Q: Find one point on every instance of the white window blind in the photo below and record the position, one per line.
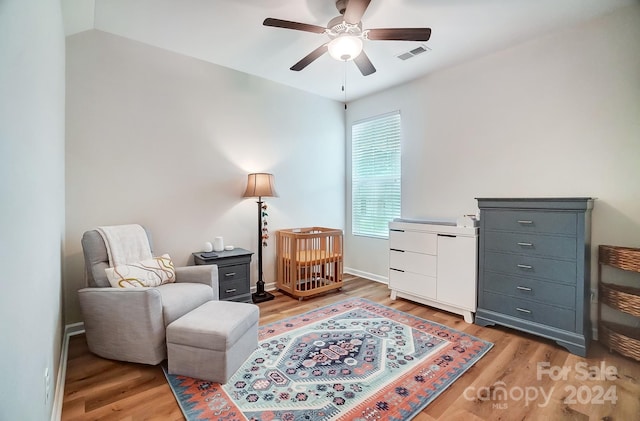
(375, 175)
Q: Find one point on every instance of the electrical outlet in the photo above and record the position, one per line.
(47, 386)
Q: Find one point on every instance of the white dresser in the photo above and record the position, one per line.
(434, 264)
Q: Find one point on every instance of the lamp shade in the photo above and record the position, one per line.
(260, 184)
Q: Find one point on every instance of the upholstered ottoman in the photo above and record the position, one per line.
(212, 341)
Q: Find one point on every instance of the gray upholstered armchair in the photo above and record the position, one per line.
(128, 324)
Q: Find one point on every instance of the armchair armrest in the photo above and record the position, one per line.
(202, 274)
(124, 323)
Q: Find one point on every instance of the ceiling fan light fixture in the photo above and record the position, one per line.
(345, 47)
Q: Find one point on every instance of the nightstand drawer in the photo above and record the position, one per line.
(232, 273)
(535, 267)
(531, 244)
(531, 221)
(531, 289)
(230, 289)
(530, 311)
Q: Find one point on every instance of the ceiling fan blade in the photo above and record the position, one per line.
(400, 34)
(287, 24)
(355, 10)
(364, 64)
(310, 58)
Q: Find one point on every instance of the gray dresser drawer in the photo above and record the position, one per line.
(530, 311)
(531, 289)
(230, 289)
(527, 266)
(231, 273)
(531, 221)
(531, 244)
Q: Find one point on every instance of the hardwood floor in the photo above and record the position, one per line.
(99, 389)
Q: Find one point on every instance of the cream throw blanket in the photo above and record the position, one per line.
(125, 244)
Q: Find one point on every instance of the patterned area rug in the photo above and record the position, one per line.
(354, 360)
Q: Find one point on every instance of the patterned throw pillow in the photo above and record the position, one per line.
(148, 273)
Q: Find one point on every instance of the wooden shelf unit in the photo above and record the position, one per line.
(626, 299)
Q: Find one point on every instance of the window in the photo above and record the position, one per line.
(375, 175)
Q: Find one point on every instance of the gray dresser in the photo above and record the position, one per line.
(534, 267)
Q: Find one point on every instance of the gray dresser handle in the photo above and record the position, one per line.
(521, 288)
(526, 244)
(523, 310)
(525, 266)
(525, 222)
(230, 274)
(229, 291)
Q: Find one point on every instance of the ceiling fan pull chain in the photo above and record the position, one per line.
(344, 84)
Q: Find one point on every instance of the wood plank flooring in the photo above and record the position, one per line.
(495, 388)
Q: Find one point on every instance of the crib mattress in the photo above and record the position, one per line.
(310, 256)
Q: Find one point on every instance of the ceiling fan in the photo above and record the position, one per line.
(346, 35)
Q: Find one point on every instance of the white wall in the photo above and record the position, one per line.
(557, 116)
(31, 204)
(167, 141)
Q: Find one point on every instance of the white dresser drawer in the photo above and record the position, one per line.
(423, 264)
(413, 283)
(415, 241)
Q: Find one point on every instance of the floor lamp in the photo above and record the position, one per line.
(260, 185)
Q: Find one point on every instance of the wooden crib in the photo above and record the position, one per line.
(309, 260)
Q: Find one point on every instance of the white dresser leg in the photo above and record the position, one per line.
(468, 317)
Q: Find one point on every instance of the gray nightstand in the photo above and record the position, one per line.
(233, 273)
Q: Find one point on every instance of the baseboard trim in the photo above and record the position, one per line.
(58, 399)
(367, 275)
(268, 286)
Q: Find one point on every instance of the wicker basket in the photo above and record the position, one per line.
(620, 297)
(624, 339)
(626, 258)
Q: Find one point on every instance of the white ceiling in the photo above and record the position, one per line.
(230, 33)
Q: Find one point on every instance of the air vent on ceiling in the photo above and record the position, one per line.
(414, 52)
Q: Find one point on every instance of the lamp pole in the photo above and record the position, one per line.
(260, 295)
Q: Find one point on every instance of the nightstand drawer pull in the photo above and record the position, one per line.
(525, 222)
(229, 291)
(230, 274)
(523, 310)
(525, 244)
(521, 288)
(525, 266)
